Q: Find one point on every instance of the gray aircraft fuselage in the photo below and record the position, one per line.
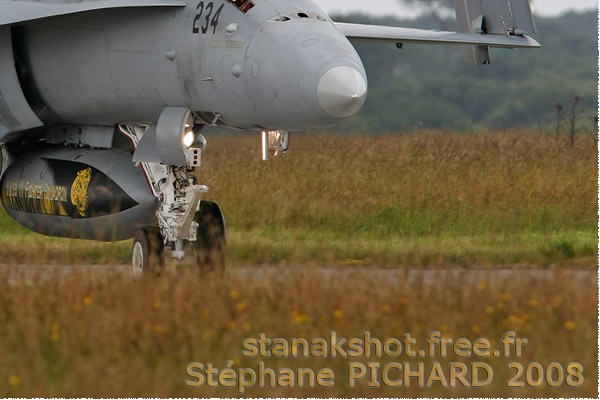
(284, 65)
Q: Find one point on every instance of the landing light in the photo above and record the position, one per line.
(188, 139)
(170, 141)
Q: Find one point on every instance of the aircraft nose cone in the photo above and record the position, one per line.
(342, 91)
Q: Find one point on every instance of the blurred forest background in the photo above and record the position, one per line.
(554, 89)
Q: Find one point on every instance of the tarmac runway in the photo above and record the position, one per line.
(12, 273)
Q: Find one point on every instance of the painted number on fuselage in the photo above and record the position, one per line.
(205, 18)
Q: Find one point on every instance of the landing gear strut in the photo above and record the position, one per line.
(188, 232)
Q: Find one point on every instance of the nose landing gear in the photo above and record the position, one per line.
(188, 231)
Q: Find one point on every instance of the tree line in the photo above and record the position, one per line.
(429, 87)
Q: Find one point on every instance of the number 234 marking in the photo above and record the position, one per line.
(205, 19)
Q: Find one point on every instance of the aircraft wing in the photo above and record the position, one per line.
(375, 33)
(18, 11)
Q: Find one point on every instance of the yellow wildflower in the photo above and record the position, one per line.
(338, 314)
(533, 303)
(513, 320)
(14, 380)
(55, 332)
(570, 325)
(299, 318)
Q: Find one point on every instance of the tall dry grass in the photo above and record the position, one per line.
(427, 199)
(445, 173)
(432, 200)
(93, 332)
(422, 199)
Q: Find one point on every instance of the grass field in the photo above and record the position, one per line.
(95, 333)
(422, 200)
(372, 209)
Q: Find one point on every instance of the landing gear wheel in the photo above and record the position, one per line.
(211, 240)
(148, 252)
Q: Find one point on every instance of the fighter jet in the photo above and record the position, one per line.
(102, 104)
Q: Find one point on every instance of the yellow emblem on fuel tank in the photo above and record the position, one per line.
(79, 190)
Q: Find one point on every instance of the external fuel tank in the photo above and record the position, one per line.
(96, 194)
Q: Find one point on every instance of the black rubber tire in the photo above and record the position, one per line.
(148, 255)
(211, 241)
